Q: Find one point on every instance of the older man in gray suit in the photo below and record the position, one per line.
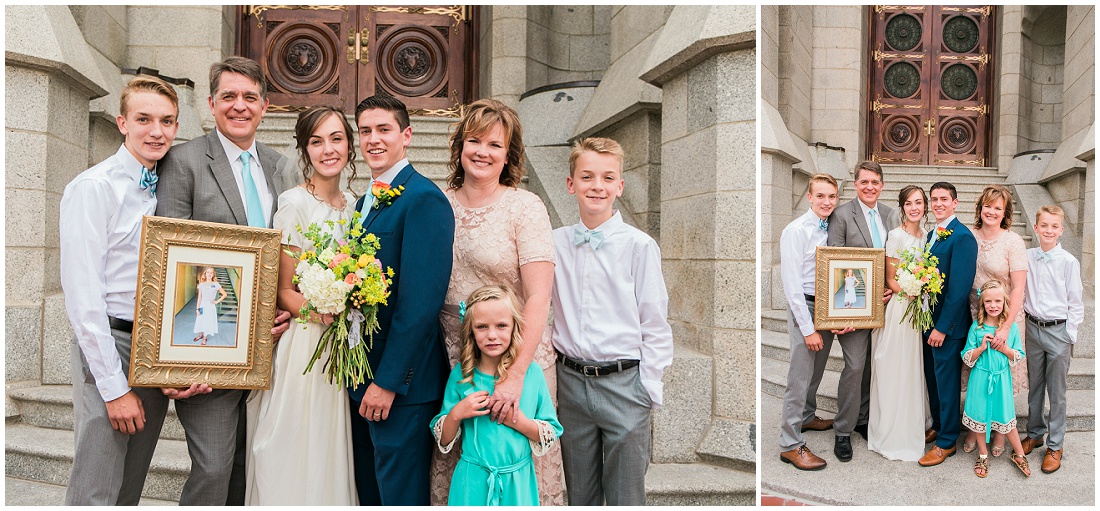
(861, 223)
(225, 177)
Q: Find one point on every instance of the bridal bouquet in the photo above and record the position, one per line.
(921, 282)
(341, 276)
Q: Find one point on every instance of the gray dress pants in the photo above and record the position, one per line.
(1048, 350)
(803, 378)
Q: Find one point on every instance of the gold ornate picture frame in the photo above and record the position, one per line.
(848, 287)
(205, 305)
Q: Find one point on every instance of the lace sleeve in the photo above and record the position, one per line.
(1016, 357)
(547, 439)
(968, 358)
(437, 432)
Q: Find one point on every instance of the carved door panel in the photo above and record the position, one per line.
(338, 55)
(930, 82)
(417, 54)
(304, 52)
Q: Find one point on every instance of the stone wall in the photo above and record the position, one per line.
(566, 43)
(839, 103)
(503, 45)
(1079, 112)
(1042, 63)
(796, 29)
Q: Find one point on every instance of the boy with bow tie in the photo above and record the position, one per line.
(100, 235)
(611, 333)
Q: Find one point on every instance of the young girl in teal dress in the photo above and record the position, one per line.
(495, 467)
(989, 405)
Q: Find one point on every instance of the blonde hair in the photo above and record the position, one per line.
(988, 197)
(146, 83)
(596, 145)
(1051, 210)
(982, 314)
(477, 119)
(821, 178)
(470, 353)
(202, 274)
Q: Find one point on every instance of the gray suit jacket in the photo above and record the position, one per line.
(196, 182)
(848, 227)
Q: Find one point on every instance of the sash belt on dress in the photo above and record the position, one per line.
(496, 483)
(991, 382)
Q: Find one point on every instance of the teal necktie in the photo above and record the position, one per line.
(251, 194)
(876, 240)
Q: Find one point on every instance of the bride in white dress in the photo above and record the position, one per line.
(299, 431)
(899, 400)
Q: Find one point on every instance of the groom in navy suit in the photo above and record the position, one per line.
(390, 414)
(957, 251)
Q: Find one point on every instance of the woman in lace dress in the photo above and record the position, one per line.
(1002, 256)
(502, 236)
(299, 430)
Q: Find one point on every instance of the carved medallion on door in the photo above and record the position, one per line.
(930, 85)
(339, 55)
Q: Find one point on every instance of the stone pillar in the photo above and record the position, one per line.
(503, 43)
(839, 100)
(50, 80)
(1009, 83)
(705, 62)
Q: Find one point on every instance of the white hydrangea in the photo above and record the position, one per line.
(320, 287)
(910, 285)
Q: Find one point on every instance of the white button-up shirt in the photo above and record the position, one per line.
(798, 265)
(233, 153)
(100, 231)
(1054, 288)
(877, 224)
(611, 303)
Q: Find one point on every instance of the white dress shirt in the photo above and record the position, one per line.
(611, 303)
(1054, 288)
(100, 231)
(877, 224)
(798, 265)
(935, 231)
(233, 153)
(386, 177)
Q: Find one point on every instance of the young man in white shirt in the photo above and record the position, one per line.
(100, 236)
(1054, 311)
(611, 333)
(809, 347)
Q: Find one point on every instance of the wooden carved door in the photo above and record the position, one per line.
(930, 85)
(338, 55)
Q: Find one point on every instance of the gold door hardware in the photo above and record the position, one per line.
(930, 127)
(359, 46)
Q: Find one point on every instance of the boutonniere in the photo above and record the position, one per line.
(942, 234)
(384, 194)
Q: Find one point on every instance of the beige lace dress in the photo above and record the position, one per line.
(997, 259)
(491, 243)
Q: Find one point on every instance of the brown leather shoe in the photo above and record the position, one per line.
(1031, 443)
(936, 456)
(929, 436)
(1052, 461)
(802, 459)
(818, 424)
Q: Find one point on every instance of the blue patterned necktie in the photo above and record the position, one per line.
(876, 240)
(149, 181)
(582, 236)
(823, 225)
(252, 206)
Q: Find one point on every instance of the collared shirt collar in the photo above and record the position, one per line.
(811, 218)
(867, 208)
(389, 175)
(947, 221)
(232, 152)
(130, 164)
(609, 226)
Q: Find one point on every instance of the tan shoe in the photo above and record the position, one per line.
(936, 456)
(1031, 443)
(802, 459)
(818, 424)
(1052, 461)
(929, 436)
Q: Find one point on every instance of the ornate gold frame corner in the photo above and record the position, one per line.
(159, 237)
(876, 279)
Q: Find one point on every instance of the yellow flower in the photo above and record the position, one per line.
(364, 260)
(389, 271)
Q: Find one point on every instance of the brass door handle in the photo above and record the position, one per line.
(353, 46)
(930, 127)
(364, 46)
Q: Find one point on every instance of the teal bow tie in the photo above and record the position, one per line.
(582, 236)
(148, 181)
(1043, 257)
(823, 225)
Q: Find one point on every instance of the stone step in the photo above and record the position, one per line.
(1080, 404)
(872, 480)
(51, 406)
(24, 492)
(46, 455)
(698, 484)
(777, 346)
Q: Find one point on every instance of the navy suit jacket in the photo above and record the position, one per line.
(958, 255)
(417, 235)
